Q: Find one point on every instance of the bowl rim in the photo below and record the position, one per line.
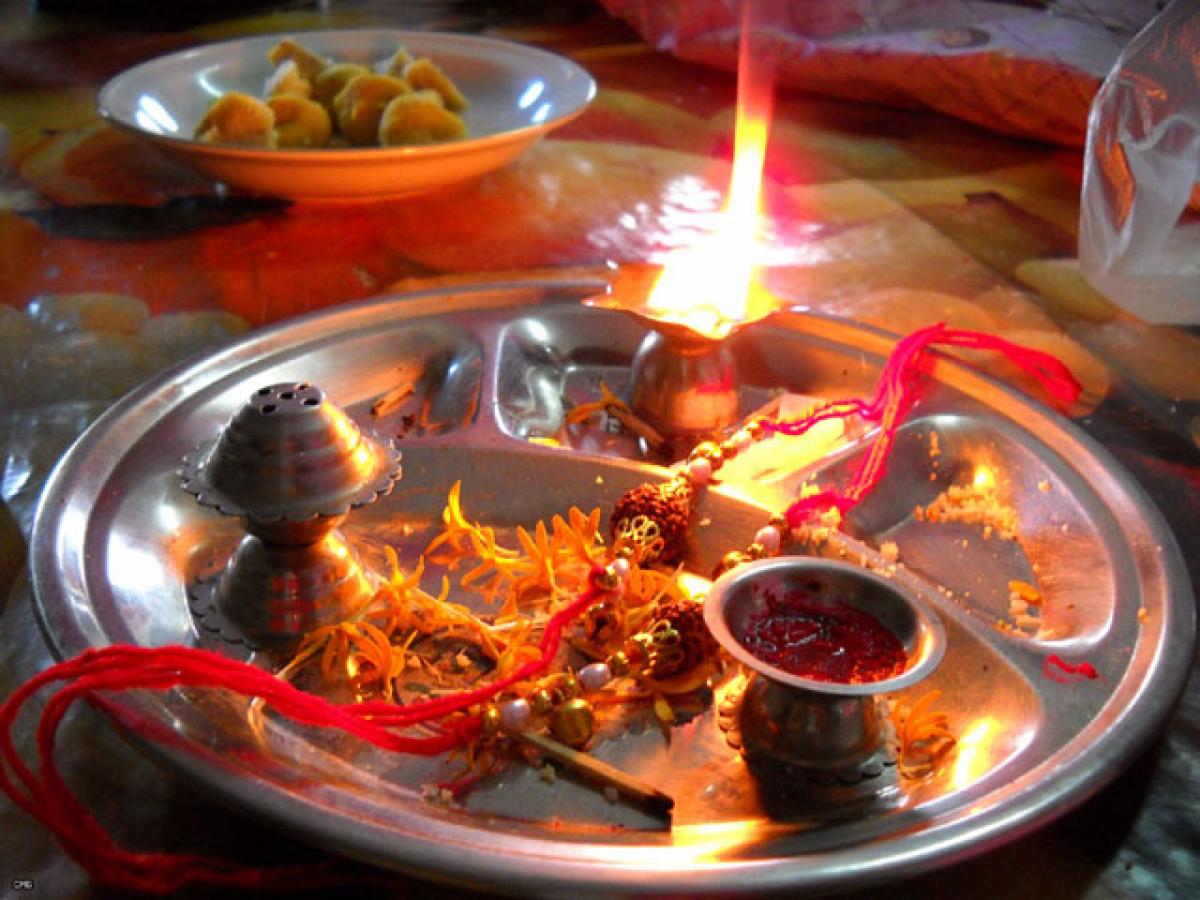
(931, 640)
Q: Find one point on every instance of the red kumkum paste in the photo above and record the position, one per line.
(822, 642)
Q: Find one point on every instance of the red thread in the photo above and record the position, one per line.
(895, 394)
(1068, 673)
(47, 798)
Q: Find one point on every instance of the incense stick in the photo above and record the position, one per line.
(647, 795)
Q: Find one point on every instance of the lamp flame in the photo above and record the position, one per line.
(710, 287)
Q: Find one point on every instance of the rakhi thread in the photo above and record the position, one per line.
(895, 394)
(47, 798)
(121, 668)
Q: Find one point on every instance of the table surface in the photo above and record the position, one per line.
(935, 220)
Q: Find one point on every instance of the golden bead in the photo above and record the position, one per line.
(607, 579)
(756, 428)
(710, 451)
(756, 551)
(542, 701)
(572, 723)
(780, 521)
(491, 720)
(562, 686)
(639, 647)
(730, 560)
(618, 664)
(601, 623)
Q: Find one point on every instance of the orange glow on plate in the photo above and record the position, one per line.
(707, 842)
(362, 458)
(694, 587)
(971, 754)
(985, 477)
(710, 287)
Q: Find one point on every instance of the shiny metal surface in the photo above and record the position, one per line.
(290, 464)
(272, 594)
(825, 725)
(684, 385)
(287, 456)
(115, 542)
(740, 593)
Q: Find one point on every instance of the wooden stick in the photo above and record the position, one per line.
(601, 772)
(391, 400)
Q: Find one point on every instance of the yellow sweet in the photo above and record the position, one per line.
(237, 118)
(329, 83)
(311, 101)
(308, 63)
(396, 65)
(419, 118)
(359, 106)
(288, 80)
(300, 122)
(423, 74)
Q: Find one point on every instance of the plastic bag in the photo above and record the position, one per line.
(1139, 228)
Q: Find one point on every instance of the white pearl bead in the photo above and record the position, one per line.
(699, 470)
(769, 537)
(515, 714)
(621, 567)
(594, 676)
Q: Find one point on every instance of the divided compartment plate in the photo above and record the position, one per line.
(116, 543)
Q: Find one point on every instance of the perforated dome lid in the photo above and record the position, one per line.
(290, 453)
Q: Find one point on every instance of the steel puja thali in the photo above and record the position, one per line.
(492, 371)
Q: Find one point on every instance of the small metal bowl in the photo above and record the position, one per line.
(804, 721)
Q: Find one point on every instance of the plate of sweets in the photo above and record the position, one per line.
(345, 115)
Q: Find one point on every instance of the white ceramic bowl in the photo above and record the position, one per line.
(517, 93)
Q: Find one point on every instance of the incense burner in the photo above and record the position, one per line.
(290, 465)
